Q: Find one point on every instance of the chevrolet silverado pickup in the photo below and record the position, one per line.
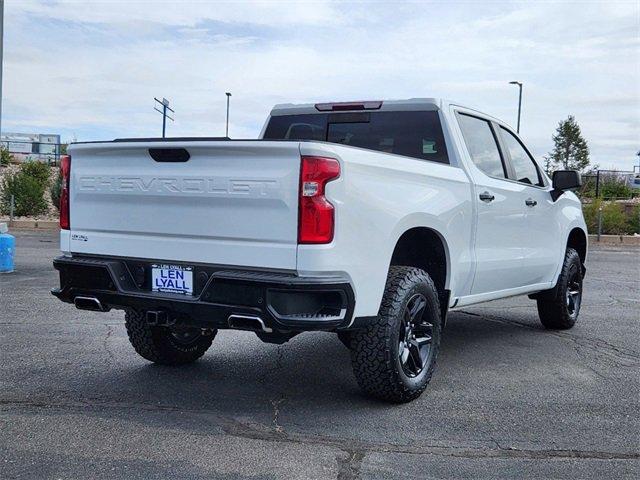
(367, 219)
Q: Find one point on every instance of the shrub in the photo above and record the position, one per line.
(614, 220)
(28, 193)
(634, 221)
(37, 170)
(590, 212)
(5, 157)
(614, 187)
(588, 188)
(55, 190)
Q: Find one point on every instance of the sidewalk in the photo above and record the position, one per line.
(615, 239)
(31, 224)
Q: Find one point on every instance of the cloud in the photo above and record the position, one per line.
(182, 13)
(92, 68)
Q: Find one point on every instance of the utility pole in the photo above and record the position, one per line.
(1, 59)
(519, 101)
(165, 106)
(228, 94)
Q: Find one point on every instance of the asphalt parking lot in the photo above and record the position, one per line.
(508, 399)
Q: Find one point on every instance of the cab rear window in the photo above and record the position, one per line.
(412, 134)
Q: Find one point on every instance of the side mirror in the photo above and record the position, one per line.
(565, 180)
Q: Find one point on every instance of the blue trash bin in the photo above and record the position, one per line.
(7, 249)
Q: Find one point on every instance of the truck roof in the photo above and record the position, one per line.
(415, 104)
(395, 105)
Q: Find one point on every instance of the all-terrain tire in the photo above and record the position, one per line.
(555, 307)
(375, 350)
(161, 344)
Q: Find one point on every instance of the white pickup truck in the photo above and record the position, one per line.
(368, 219)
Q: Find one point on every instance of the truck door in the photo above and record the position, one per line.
(501, 216)
(542, 243)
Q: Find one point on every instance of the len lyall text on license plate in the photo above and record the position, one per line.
(172, 279)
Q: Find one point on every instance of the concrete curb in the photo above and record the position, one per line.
(31, 224)
(54, 225)
(615, 239)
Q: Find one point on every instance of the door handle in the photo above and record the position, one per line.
(487, 197)
(530, 202)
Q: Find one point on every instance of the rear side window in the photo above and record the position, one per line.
(482, 146)
(412, 134)
(524, 166)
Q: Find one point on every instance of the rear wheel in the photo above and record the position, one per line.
(393, 359)
(559, 307)
(166, 345)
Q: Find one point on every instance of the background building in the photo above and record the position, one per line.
(32, 146)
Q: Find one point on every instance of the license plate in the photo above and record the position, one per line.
(172, 279)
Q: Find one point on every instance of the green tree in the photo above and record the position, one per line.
(570, 151)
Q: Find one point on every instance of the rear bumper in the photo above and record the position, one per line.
(283, 302)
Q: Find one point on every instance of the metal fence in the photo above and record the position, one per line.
(23, 150)
(611, 185)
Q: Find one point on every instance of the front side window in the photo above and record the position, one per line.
(523, 164)
(482, 145)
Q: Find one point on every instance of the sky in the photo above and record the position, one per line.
(89, 70)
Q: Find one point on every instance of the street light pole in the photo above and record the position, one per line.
(228, 94)
(1, 62)
(519, 102)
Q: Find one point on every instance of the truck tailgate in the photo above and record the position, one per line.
(231, 203)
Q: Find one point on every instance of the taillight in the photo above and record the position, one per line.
(65, 170)
(316, 219)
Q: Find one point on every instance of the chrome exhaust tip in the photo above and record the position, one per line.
(89, 303)
(247, 322)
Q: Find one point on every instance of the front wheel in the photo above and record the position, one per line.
(393, 358)
(559, 307)
(166, 345)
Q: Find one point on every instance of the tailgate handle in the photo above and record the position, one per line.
(169, 154)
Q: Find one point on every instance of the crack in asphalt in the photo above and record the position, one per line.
(276, 411)
(279, 357)
(105, 342)
(258, 432)
(625, 302)
(587, 364)
(354, 447)
(617, 354)
(349, 467)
